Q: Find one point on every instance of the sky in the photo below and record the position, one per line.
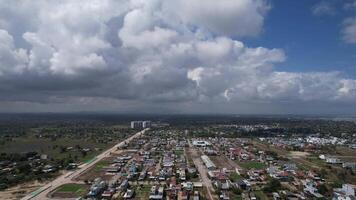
(182, 56)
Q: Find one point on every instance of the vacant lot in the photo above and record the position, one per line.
(98, 170)
(19, 191)
(70, 190)
(298, 154)
(143, 192)
(222, 162)
(59, 148)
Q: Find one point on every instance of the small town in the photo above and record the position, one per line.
(164, 162)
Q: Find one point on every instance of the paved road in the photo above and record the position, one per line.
(43, 192)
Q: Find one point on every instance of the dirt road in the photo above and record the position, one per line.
(202, 171)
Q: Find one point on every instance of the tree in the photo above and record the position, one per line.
(273, 185)
(236, 190)
(322, 189)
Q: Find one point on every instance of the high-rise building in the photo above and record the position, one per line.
(140, 124)
(136, 124)
(146, 124)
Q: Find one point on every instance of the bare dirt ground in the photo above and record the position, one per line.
(299, 157)
(222, 162)
(21, 190)
(298, 154)
(202, 171)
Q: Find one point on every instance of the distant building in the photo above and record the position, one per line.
(201, 143)
(140, 124)
(146, 124)
(351, 165)
(136, 124)
(333, 160)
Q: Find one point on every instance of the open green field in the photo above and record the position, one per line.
(235, 177)
(101, 164)
(260, 195)
(142, 192)
(71, 190)
(179, 152)
(234, 196)
(252, 165)
(53, 148)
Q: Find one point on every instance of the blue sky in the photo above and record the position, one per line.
(311, 42)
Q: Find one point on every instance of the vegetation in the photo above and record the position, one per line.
(75, 189)
(36, 147)
(272, 186)
(235, 177)
(252, 165)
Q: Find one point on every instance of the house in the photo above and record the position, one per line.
(196, 195)
(310, 188)
(129, 194)
(113, 170)
(97, 187)
(201, 143)
(49, 168)
(224, 196)
(333, 160)
(156, 193)
(244, 184)
(290, 167)
(168, 161)
(182, 175)
(276, 196)
(351, 165)
(347, 192)
(107, 194)
(142, 175)
(211, 152)
(123, 186)
(218, 175)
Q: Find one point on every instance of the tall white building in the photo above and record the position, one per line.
(146, 124)
(140, 124)
(136, 124)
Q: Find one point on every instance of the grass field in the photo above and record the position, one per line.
(52, 148)
(179, 152)
(142, 192)
(261, 195)
(71, 190)
(235, 177)
(101, 164)
(252, 165)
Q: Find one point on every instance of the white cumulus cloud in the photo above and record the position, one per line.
(149, 52)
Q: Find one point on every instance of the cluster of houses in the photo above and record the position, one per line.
(160, 163)
(336, 160)
(154, 162)
(308, 143)
(297, 183)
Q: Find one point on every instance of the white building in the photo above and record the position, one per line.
(347, 192)
(146, 124)
(333, 160)
(140, 124)
(351, 165)
(136, 124)
(201, 143)
(208, 163)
